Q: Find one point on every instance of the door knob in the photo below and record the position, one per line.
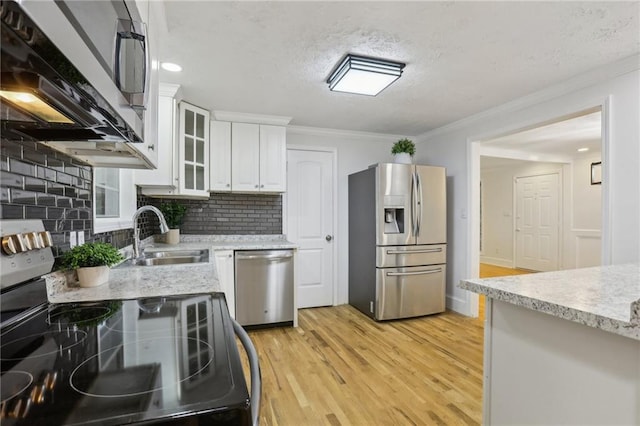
(328, 238)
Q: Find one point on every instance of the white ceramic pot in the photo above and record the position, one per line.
(172, 237)
(402, 158)
(93, 276)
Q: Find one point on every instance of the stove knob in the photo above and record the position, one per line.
(34, 240)
(25, 242)
(9, 245)
(45, 237)
(12, 244)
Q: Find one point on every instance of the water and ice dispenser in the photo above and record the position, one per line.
(394, 220)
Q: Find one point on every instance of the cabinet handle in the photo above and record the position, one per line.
(151, 147)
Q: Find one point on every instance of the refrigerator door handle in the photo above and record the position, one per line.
(419, 201)
(401, 274)
(414, 207)
(433, 250)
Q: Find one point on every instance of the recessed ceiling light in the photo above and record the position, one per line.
(583, 149)
(171, 67)
(364, 76)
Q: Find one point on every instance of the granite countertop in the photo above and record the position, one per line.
(606, 297)
(128, 282)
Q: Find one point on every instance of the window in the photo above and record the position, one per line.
(114, 199)
(107, 183)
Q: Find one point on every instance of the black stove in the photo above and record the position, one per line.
(169, 360)
(166, 360)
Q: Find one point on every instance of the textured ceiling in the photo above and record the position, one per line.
(462, 57)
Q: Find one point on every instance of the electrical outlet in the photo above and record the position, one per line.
(73, 240)
(80, 238)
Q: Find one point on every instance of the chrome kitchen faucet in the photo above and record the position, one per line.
(136, 232)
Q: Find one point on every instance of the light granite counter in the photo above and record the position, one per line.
(128, 282)
(607, 297)
(562, 347)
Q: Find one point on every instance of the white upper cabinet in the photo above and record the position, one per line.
(245, 157)
(183, 149)
(193, 150)
(273, 158)
(220, 163)
(257, 157)
(248, 157)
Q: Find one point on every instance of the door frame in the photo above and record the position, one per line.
(334, 209)
(560, 247)
(473, 193)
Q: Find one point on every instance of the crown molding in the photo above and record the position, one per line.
(589, 78)
(169, 89)
(242, 117)
(321, 131)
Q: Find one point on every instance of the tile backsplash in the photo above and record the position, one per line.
(229, 214)
(38, 182)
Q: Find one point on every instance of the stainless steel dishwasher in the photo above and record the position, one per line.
(264, 287)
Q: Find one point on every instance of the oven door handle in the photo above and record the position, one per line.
(254, 366)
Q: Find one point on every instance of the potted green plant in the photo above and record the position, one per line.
(403, 151)
(173, 213)
(92, 262)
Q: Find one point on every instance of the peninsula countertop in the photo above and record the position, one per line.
(127, 281)
(605, 297)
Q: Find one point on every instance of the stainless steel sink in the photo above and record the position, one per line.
(171, 257)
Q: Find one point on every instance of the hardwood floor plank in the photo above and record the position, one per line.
(339, 367)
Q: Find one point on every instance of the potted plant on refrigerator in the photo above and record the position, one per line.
(173, 213)
(403, 151)
(91, 262)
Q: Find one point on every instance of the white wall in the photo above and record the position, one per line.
(584, 227)
(617, 89)
(356, 151)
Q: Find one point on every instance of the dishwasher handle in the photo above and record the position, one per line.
(254, 366)
(264, 255)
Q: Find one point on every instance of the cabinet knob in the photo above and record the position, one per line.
(261, 186)
(151, 147)
(256, 186)
(228, 185)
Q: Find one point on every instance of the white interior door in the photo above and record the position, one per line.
(537, 222)
(310, 205)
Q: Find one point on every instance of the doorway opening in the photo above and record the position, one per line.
(537, 208)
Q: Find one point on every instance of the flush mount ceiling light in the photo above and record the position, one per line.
(168, 66)
(583, 149)
(364, 76)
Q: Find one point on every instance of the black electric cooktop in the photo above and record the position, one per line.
(162, 360)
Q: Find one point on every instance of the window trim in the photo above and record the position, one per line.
(128, 205)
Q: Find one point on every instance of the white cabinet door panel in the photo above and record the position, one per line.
(220, 163)
(245, 157)
(273, 158)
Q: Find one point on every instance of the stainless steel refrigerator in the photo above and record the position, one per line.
(397, 240)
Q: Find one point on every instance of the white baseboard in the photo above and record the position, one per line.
(497, 261)
(460, 306)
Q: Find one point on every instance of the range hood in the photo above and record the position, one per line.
(44, 97)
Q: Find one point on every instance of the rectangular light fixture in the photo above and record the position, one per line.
(364, 76)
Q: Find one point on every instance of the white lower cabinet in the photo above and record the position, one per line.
(227, 278)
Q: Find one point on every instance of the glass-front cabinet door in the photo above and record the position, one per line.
(194, 150)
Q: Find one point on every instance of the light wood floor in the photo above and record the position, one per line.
(340, 367)
(489, 271)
